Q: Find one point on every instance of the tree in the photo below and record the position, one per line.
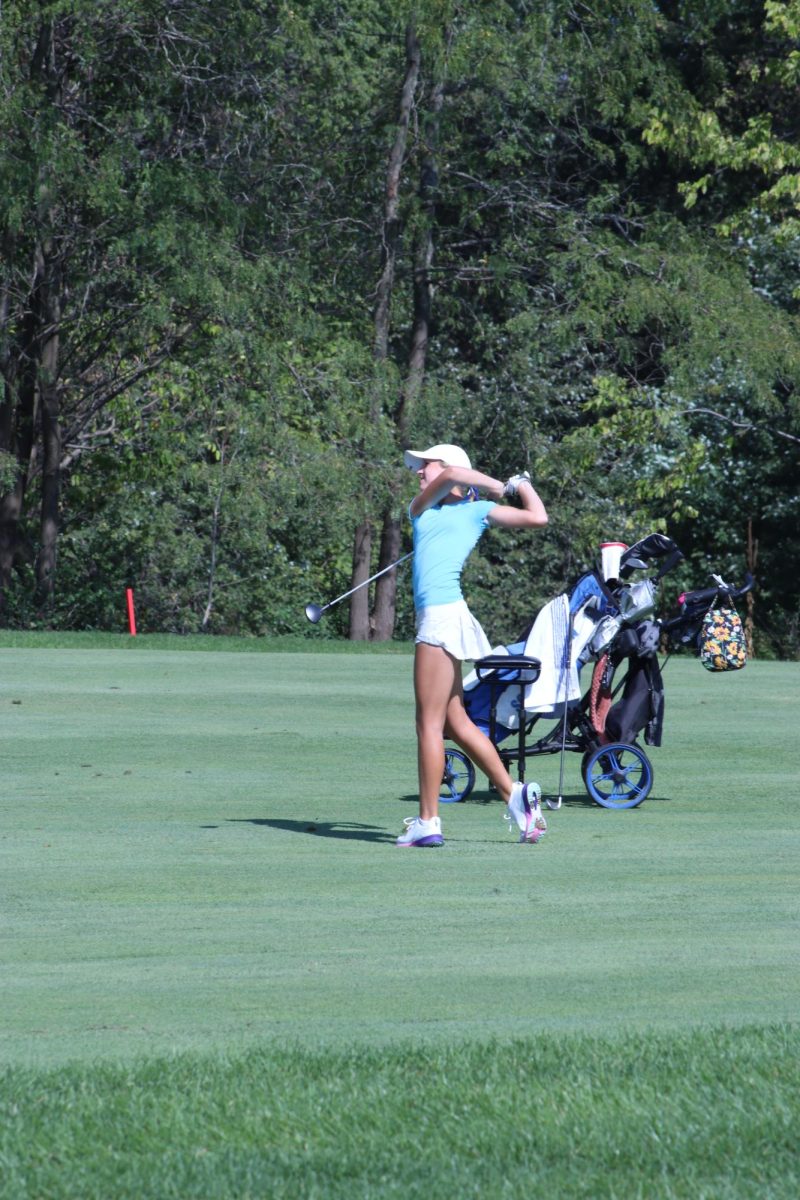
(390, 237)
(120, 222)
(240, 318)
(743, 138)
(423, 222)
(734, 151)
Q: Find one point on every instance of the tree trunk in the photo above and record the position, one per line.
(752, 562)
(386, 586)
(212, 563)
(10, 510)
(18, 418)
(49, 398)
(362, 546)
(359, 601)
(391, 225)
(51, 490)
(423, 260)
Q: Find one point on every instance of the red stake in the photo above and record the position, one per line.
(131, 614)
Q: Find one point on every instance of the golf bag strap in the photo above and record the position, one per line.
(600, 693)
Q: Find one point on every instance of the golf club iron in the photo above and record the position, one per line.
(315, 611)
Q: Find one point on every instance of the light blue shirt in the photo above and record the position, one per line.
(444, 536)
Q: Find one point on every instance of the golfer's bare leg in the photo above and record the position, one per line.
(435, 672)
(475, 743)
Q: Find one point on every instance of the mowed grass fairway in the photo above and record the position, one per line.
(221, 978)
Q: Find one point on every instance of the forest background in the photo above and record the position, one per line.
(252, 250)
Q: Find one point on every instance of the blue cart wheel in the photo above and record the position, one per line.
(459, 776)
(618, 775)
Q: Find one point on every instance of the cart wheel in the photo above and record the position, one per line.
(459, 776)
(617, 775)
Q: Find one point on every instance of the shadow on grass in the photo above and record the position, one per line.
(583, 800)
(485, 796)
(349, 830)
(476, 796)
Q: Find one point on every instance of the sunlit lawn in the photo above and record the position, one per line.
(198, 860)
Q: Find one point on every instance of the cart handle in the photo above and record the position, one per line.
(531, 667)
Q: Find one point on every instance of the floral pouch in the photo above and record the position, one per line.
(722, 645)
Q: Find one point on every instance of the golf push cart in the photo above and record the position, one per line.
(609, 623)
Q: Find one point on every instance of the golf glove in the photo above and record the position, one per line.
(513, 483)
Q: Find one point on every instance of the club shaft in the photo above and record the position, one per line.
(377, 575)
(566, 663)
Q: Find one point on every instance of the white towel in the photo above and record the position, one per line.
(550, 641)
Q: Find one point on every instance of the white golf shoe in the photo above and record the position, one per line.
(421, 833)
(524, 807)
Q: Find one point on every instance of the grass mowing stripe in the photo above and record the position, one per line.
(308, 641)
(703, 1114)
(196, 855)
(197, 852)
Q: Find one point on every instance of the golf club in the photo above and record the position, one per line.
(315, 611)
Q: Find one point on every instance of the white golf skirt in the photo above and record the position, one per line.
(453, 627)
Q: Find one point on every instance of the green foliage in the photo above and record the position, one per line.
(215, 501)
(742, 137)
(211, 190)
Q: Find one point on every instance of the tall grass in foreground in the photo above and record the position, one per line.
(706, 1114)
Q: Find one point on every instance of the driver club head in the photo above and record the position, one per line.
(313, 612)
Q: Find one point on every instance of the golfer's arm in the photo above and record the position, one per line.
(532, 514)
(455, 477)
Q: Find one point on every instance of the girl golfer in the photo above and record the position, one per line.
(447, 523)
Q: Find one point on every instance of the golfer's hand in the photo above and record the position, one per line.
(510, 489)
